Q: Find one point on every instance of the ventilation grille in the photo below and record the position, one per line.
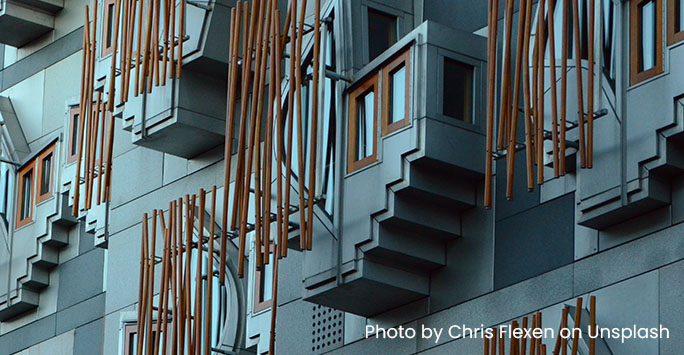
(327, 329)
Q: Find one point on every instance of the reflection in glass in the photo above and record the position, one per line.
(397, 102)
(27, 184)
(458, 90)
(45, 174)
(364, 125)
(648, 36)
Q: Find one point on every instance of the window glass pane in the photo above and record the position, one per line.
(648, 33)
(110, 24)
(46, 174)
(267, 280)
(458, 90)
(364, 125)
(679, 15)
(382, 32)
(27, 184)
(74, 135)
(397, 103)
(608, 41)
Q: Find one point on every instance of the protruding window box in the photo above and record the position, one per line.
(22, 21)
(414, 158)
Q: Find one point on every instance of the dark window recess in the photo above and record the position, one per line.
(45, 175)
(110, 25)
(382, 32)
(74, 133)
(458, 90)
(647, 38)
(27, 183)
(364, 125)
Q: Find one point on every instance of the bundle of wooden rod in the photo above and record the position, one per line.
(534, 89)
(95, 128)
(175, 325)
(518, 345)
(263, 44)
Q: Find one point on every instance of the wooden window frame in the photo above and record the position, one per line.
(47, 152)
(371, 84)
(672, 35)
(105, 27)
(28, 168)
(403, 59)
(132, 328)
(73, 138)
(261, 305)
(637, 76)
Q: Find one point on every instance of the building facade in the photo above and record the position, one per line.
(417, 220)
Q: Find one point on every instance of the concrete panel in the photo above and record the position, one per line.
(80, 313)
(62, 83)
(635, 228)
(123, 268)
(522, 252)
(174, 168)
(290, 278)
(143, 166)
(80, 278)
(61, 344)
(293, 336)
(629, 260)
(28, 335)
(26, 98)
(88, 338)
(670, 304)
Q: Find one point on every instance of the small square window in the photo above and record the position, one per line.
(675, 21)
(74, 121)
(25, 195)
(457, 98)
(646, 40)
(382, 32)
(396, 78)
(362, 142)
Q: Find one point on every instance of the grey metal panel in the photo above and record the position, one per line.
(534, 241)
(642, 225)
(671, 296)
(80, 313)
(80, 278)
(88, 338)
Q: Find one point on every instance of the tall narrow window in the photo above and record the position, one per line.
(25, 195)
(457, 99)
(646, 40)
(362, 140)
(608, 42)
(395, 93)
(263, 285)
(382, 32)
(108, 27)
(327, 186)
(45, 173)
(6, 185)
(74, 121)
(675, 21)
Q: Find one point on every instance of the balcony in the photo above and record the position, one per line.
(413, 166)
(22, 21)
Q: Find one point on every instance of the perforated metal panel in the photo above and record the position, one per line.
(327, 329)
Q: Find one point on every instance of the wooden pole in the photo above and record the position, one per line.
(564, 341)
(150, 296)
(210, 275)
(112, 71)
(300, 132)
(124, 52)
(235, 18)
(169, 277)
(148, 39)
(514, 325)
(506, 80)
(190, 223)
(540, 91)
(268, 140)
(539, 339)
(142, 290)
(526, 93)
(523, 344)
(139, 49)
(502, 343)
(174, 277)
(162, 285)
(496, 335)
(564, 86)
(197, 343)
(280, 144)
(172, 35)
(486, 345)
(83, 111)
(155, 42)
(314, 123)
(590, 86)
(179, 314)
(100, 170)
(554, 93)
(593, 331)
(93, 115)
(290, 114)
(181, 34)
(491, 90)
(578, 324)
(533, 341)
(513, 129)
(165, 54)
(580, 95)
(274, 297)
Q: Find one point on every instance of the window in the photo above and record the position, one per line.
(263, 284)
(645, 40)
(457, 98)
(45, 173)
(74, 121)
(24, 197)
(609, 41)
(362, 142)
(382, 32)
(6, 188)
(396, 78)
(675, 21)
(329, 118)
(108, 27)
(131, 337)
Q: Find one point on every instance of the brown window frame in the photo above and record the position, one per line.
(637, 76)
(371, 84)
(50, 151)
(107, 6)
(28, 168)
(265, 304)
(401, 60)
(74, 112)
(132, 328)
(673, 36)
